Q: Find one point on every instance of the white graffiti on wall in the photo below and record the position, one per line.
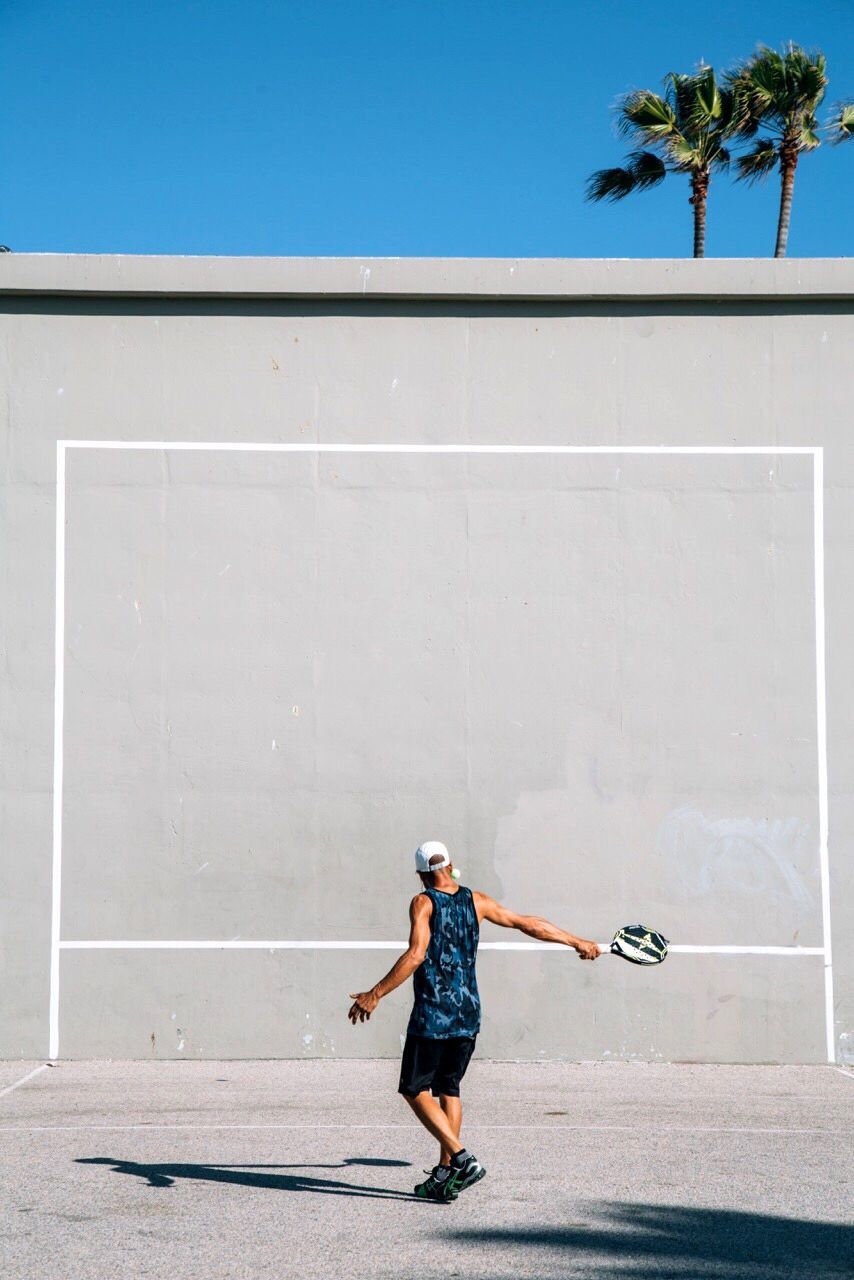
(744, 855)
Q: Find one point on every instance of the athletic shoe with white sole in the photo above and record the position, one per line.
(435, 1188)
(465, 1175)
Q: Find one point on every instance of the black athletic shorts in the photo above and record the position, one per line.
(438, 1065)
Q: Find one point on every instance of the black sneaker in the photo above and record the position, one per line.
(465, 1175)
(438, 1189)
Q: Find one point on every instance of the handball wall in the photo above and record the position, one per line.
(307, 561)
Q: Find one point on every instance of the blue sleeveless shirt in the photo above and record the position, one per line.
(447, 1003)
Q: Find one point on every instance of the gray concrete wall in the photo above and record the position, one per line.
(593, 675)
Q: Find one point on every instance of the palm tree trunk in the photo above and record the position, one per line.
(788, 164)
(699, 196)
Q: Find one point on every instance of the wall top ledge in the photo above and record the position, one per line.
(511, 279)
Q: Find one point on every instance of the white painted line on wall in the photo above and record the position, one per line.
(185, 944)
(302, 447)
(10, 1088)
(470, 1124)
(821, 738)
(58, 730)
(687, 949)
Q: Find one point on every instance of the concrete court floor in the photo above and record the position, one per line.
(305, 1169)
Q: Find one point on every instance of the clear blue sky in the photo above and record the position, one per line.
(387, 127)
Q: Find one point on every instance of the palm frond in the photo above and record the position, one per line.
(747, 110)
(841, 124)
(727, 120)
(645, 115)
(678, 95)
(684, 153)
(757, 163)
(609, 184)
(641, 171)
(809, 137)
(807, 75)
(745, 119)
(814, 84)
(707, 96)
(766, 75)
(695, 99)
(781, 87)
(647, 169)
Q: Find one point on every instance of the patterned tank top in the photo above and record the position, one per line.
(447, 1003)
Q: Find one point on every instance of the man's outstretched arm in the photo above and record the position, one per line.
(364, 1002)
(488, 909)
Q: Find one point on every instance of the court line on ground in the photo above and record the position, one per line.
(843, 1072)
(239, 944)
(413, 1128)
(10, 1088)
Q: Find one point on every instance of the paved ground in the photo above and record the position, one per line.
(304, 1169)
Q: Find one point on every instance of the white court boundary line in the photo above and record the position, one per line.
(10, 1088)
(470, 1124)
(816, 452)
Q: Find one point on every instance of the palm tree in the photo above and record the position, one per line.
(687, 126)
(780, 93)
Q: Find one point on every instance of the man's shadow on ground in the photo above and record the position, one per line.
(165, 1175)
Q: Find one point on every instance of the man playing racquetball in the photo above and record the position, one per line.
(442, 953)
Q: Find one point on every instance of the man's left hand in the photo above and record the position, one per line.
(364, 1003)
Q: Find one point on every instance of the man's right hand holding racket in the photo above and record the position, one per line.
(587, 950)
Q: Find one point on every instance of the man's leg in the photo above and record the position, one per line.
(433, 1117)
(453, 1109)
(463, 1168)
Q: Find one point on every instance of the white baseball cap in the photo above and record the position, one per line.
(431, 849)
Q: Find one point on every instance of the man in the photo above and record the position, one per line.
(444, 929)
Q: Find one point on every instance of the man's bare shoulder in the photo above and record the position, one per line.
(484, 905)
(420, 905)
